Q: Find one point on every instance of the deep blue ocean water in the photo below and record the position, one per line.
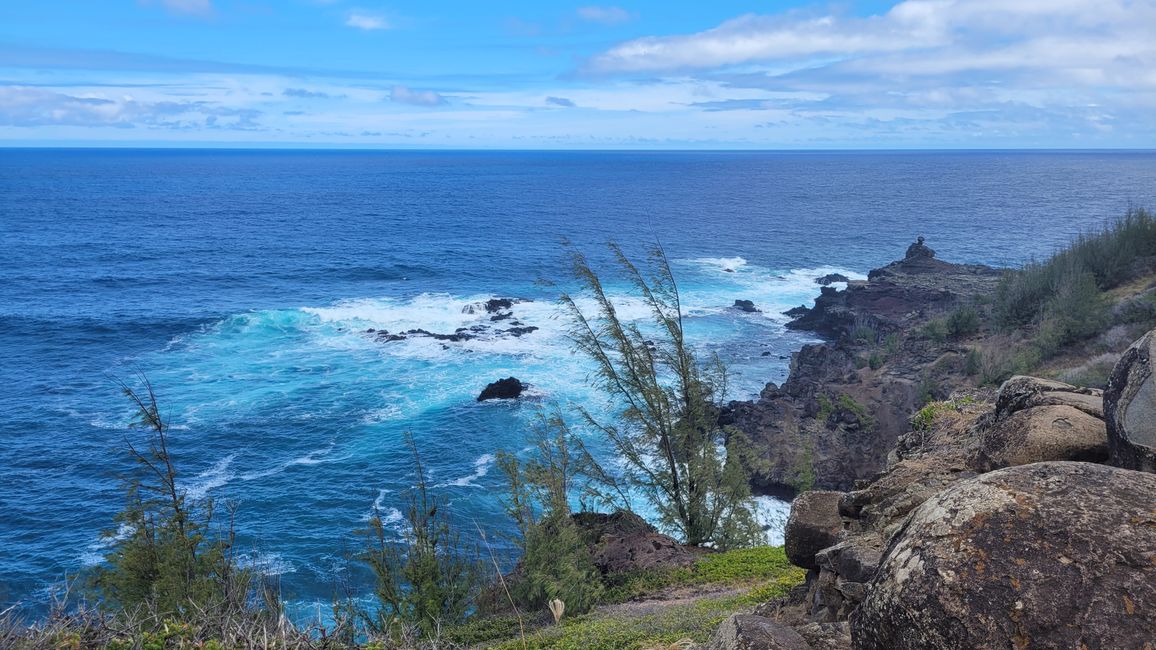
(242, 283)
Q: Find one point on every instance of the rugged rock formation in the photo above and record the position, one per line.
(967, 540)
(814, 525)
(746, 306)
(508, 388)
(846, 402)
(1055, 555)
(1130, 407)
(623, 542)
(831, 278)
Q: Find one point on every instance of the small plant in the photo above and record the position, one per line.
(168, 558)
(936, 330)
(427, 580)
(973, 362)
(892, 343)
(963, 322)
(875, 361)
(557, 608)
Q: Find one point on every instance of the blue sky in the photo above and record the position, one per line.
(638, 74)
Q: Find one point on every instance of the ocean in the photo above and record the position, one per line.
(243, 285)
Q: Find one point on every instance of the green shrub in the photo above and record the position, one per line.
(936, 330)
(1111, 256)
(892, 343)
(557, 563)
(875, 361)
(427, 581)
(973, 362)
(963, 322)
(169, 557)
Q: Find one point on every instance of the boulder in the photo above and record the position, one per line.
(508, 388)
(1130, 407)
(747, 306)
(642, 551)
(750, 632)
(814, 525)
(1044, 433)
(624, 543)
(826, 636)
(919, 250)
(855, 560)
(1021, 392)
(1047, 555)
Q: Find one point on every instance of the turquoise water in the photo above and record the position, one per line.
(243, 285)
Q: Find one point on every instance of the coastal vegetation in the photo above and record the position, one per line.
(676, 454)
(172, 578)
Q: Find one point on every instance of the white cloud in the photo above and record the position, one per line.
(367, 22)
(31, 107)
(605, 15)
(406, 95)
(1082, 37)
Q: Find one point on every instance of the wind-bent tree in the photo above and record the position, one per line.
(167, 557)
(667, 431)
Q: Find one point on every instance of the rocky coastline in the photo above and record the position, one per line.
(846, 401)
(1017, 517)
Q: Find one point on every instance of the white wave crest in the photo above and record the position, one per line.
(481, 467)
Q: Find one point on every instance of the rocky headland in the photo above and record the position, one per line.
(846, 401)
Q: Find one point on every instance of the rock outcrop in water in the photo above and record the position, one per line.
(508, 388)
(836, 417)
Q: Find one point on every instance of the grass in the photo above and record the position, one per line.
(764, 570)
(762, 573)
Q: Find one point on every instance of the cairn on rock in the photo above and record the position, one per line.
(919, 250)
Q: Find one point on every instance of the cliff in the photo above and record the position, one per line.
(846, 401)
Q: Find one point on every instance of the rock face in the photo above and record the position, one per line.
(1055, 555)
(623, 542)
(749, 632)
(814, 524)
(1130, 407)
(837, 417)
(508, 388)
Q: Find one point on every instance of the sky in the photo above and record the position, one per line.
(638, 74)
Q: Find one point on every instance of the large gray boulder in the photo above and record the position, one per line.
(1022, 392)
(1045, 433)
(750, 632)
(814, 525)
(1048, 555)
(1130, 407)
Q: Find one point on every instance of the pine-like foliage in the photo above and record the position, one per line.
(166, 557)
(675, 453)
(427, 580)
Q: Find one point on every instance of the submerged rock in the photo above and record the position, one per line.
(1130, 407)
(1047, 555)
(508, 388)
